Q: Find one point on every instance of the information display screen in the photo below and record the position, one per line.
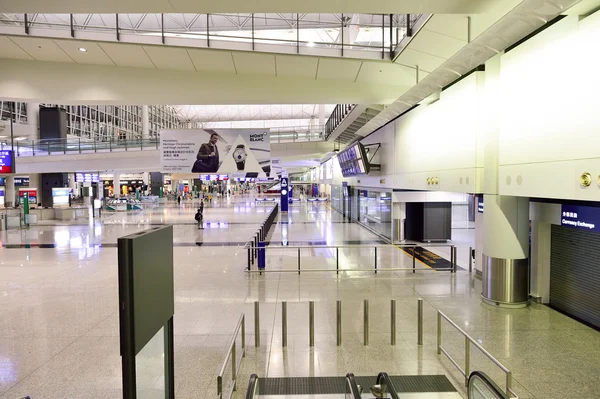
(6, 161)
(87, 177)
(353, 161)
(60, 196)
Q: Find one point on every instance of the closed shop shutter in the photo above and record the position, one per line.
(575, 273)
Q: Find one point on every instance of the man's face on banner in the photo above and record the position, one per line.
(213, 139)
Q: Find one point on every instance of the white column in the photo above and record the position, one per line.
(145, 122)
(33, 119)
(117, 184)
(35, 182)
(9, 193)
(321, 114)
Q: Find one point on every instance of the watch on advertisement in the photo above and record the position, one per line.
(239, 156)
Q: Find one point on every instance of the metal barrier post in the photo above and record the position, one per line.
(439, 333)
(233, 365)
(420, 321)
(337, 260)
(375, 260)
(298, 261)
(414, 264)
(311, 323)
(393, 321)
(256, 325)
(284, 324)
(509, 383)
(470, 259)
(452, 259)
(366, 322)
(455, 257)
(249, 262)
(244, 335)
(467, 360)
(339, 323)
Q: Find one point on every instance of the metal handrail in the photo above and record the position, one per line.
(231, 354)
(468, 341)
(351, 384)
(253, 250)
(252, 387)
(385, 378)
(489, 383)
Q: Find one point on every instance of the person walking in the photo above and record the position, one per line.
(179, 200)
(199, 216)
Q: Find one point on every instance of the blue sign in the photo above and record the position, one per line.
(285, 194)
(2, 181)
(21, 181)
(6, 161)
(580, 217)
(480, 203)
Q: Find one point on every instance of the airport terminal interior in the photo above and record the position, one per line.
(356, 199)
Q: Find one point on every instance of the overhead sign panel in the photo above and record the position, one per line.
(580, 217)
(233, 152)
(6, 165)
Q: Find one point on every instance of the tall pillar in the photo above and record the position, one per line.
(33, 119)
(145, 122)
(117, 184)
(505, 219)
(9, 194)
(321, 114)
(35, 182)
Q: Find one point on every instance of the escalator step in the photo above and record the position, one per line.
(337, 385)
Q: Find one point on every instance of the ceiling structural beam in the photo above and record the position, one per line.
(192, 22)
(26, 24)
(87, 20)
(117, 27)
(72, 27)
(142, 18)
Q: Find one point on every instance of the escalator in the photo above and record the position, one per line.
(382, 386)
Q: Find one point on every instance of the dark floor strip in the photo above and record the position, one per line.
(337, 385)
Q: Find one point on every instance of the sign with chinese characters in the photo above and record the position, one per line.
(580, 217)
(480, 203)
(236, 152)
(6, 165)
(285, 194)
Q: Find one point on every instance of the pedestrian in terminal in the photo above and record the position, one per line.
(179, 200)
(199, 216)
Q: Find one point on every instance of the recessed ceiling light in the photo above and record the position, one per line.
(20, 138)
(310, 44)
(83, 50)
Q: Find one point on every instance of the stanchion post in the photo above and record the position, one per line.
(256, 324)
(439, 333)
(420, 321)
(284, 324)
(375, 260)
(249, 262)
(455, 258)
(452, 259)
(393, 321)
(470, 259)
(298, 261)
(311, 323)
(337, 260)
(366, 322)
(414, 262)
(339, 323)
(467, 360)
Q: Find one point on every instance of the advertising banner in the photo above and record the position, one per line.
(233, 152)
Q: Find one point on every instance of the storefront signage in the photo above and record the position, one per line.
(21, 181)
(6, 161)
(580, 217)
(87, 177)
(2, 181)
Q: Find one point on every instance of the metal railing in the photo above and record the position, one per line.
(78, 145)
(337, 116)
(232, 355)
(339, 322)
(468, 341)
(482, 386)
(253, 255)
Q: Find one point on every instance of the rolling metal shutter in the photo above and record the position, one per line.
(575, 273)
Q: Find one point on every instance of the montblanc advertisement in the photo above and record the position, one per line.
(233, 152)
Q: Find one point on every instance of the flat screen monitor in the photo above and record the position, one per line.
(353, 160)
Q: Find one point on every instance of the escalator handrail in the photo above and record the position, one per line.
(388, 383)
(252, 387)
(351, 382)
(498, 392)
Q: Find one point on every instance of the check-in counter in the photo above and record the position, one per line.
(71, 213)
(43, 213)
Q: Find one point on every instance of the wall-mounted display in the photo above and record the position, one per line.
(60, 196)
(353, 160)
(6, 165)
(87, 177)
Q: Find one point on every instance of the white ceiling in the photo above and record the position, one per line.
(205, 60)
(218, 113)
(247, 6)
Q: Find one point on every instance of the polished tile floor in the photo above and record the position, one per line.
(59, 316)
